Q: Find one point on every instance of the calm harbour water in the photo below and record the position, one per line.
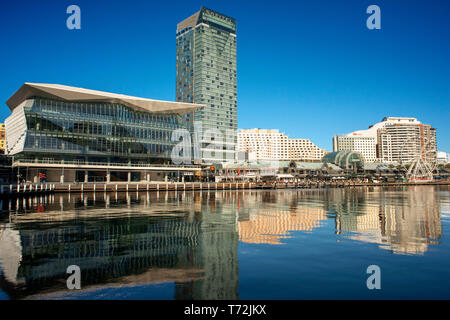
(251, 244)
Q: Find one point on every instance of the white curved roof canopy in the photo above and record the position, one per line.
(67, 93)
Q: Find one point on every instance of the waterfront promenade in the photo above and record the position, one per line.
(26, 189)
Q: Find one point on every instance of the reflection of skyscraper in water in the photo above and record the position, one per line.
(105, 253)
(403, 222)
(216, 252)
(186, 249)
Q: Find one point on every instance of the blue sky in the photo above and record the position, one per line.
(309, 68)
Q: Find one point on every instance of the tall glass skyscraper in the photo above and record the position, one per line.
(206, 74)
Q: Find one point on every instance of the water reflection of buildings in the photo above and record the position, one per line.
(271, 226)
(268, 217)
(401, 221)
(187, 245)
(191, 238)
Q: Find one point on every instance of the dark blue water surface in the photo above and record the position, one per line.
(277, 244)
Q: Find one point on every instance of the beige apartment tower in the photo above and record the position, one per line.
(394, 140)
(270, 144)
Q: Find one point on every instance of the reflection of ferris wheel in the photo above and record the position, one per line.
(420, 155)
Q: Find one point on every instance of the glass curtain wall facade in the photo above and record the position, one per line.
(207, 75)
(96, 132)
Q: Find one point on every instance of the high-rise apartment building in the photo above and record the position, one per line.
(206, 74)
(366, 145)
(403, 142)
(270, 144)
(394, 139)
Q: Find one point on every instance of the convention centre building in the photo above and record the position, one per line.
(68, 134)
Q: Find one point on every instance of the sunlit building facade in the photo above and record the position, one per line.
(443, 157)
(270, 144)
(2, 138)
(394, 139)
(403, 142)
(365, 145)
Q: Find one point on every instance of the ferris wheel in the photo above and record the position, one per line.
(419, 154)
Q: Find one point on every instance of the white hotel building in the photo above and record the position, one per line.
(270, 144)
(394, 139)
(366, 145)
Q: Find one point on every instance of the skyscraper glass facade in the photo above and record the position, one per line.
(206, 74)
